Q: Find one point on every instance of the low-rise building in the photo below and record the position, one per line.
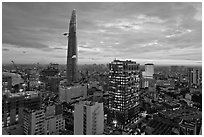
(189, 120)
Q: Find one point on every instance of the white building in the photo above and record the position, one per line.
(72, 93)
(44, 122)
(149, 71)
(34, 122)
(88, 118)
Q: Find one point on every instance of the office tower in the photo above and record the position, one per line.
(72, 56)
(34, 122)
(54, 122)
(54, 66)
(149, 70)
(49, 71)
(13, 105)
(124, 77)
(43, 121)
(32, 102)
(52, 83)
(6, 83)
(147, 82)
(193, 77)
(88, 118)
(12, 110)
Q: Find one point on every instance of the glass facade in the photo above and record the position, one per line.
(124, 77)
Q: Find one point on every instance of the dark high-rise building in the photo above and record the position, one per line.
(6, 83)
(12, 110)
(13, 105)
(193, 77)
(32, 102)
(72, 51)
(124, 77)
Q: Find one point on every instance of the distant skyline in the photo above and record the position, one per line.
(150, 32)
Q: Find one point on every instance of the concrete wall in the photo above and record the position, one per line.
(94, 116)
(68, 94)
(78, 119)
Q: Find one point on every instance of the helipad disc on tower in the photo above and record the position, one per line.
(74, 56)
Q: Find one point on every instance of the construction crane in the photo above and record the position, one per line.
(17, 70)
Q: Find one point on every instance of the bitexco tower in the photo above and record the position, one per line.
(72, 56)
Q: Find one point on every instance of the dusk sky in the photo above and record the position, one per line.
(160, 33)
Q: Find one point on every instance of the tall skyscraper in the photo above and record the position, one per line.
(193, 77)
(149, 70)
(72, 56)
(124, 78)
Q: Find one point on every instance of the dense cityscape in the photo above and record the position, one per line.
(122, 97)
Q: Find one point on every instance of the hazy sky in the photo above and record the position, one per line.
(161, 33)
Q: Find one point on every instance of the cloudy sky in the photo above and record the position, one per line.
(161, 33)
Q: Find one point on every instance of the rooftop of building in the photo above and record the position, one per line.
(16, 78)
(9, 74)
(29, 110)
(13, 95)
(12, 130)
(188, 114)
(88, 103)
(63, 84)
(27, 94)
(123, 61)
(159, 127)
(149, 64)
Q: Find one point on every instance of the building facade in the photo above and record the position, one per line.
(6, 83)
(72, 93)
(12, 110)
(13, 105)
(34, 122)
(88, 118)
(54, 122)
(72, 56)
(149, 71)
(124, 81)
(193, 77)
(44, 121)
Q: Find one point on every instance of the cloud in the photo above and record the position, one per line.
(59, 48)
(133, 23)
(153, 43)
(178, 32)
(101, 42)
(198, 14)
(95, 50)
(138, 30)
(5, 49)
